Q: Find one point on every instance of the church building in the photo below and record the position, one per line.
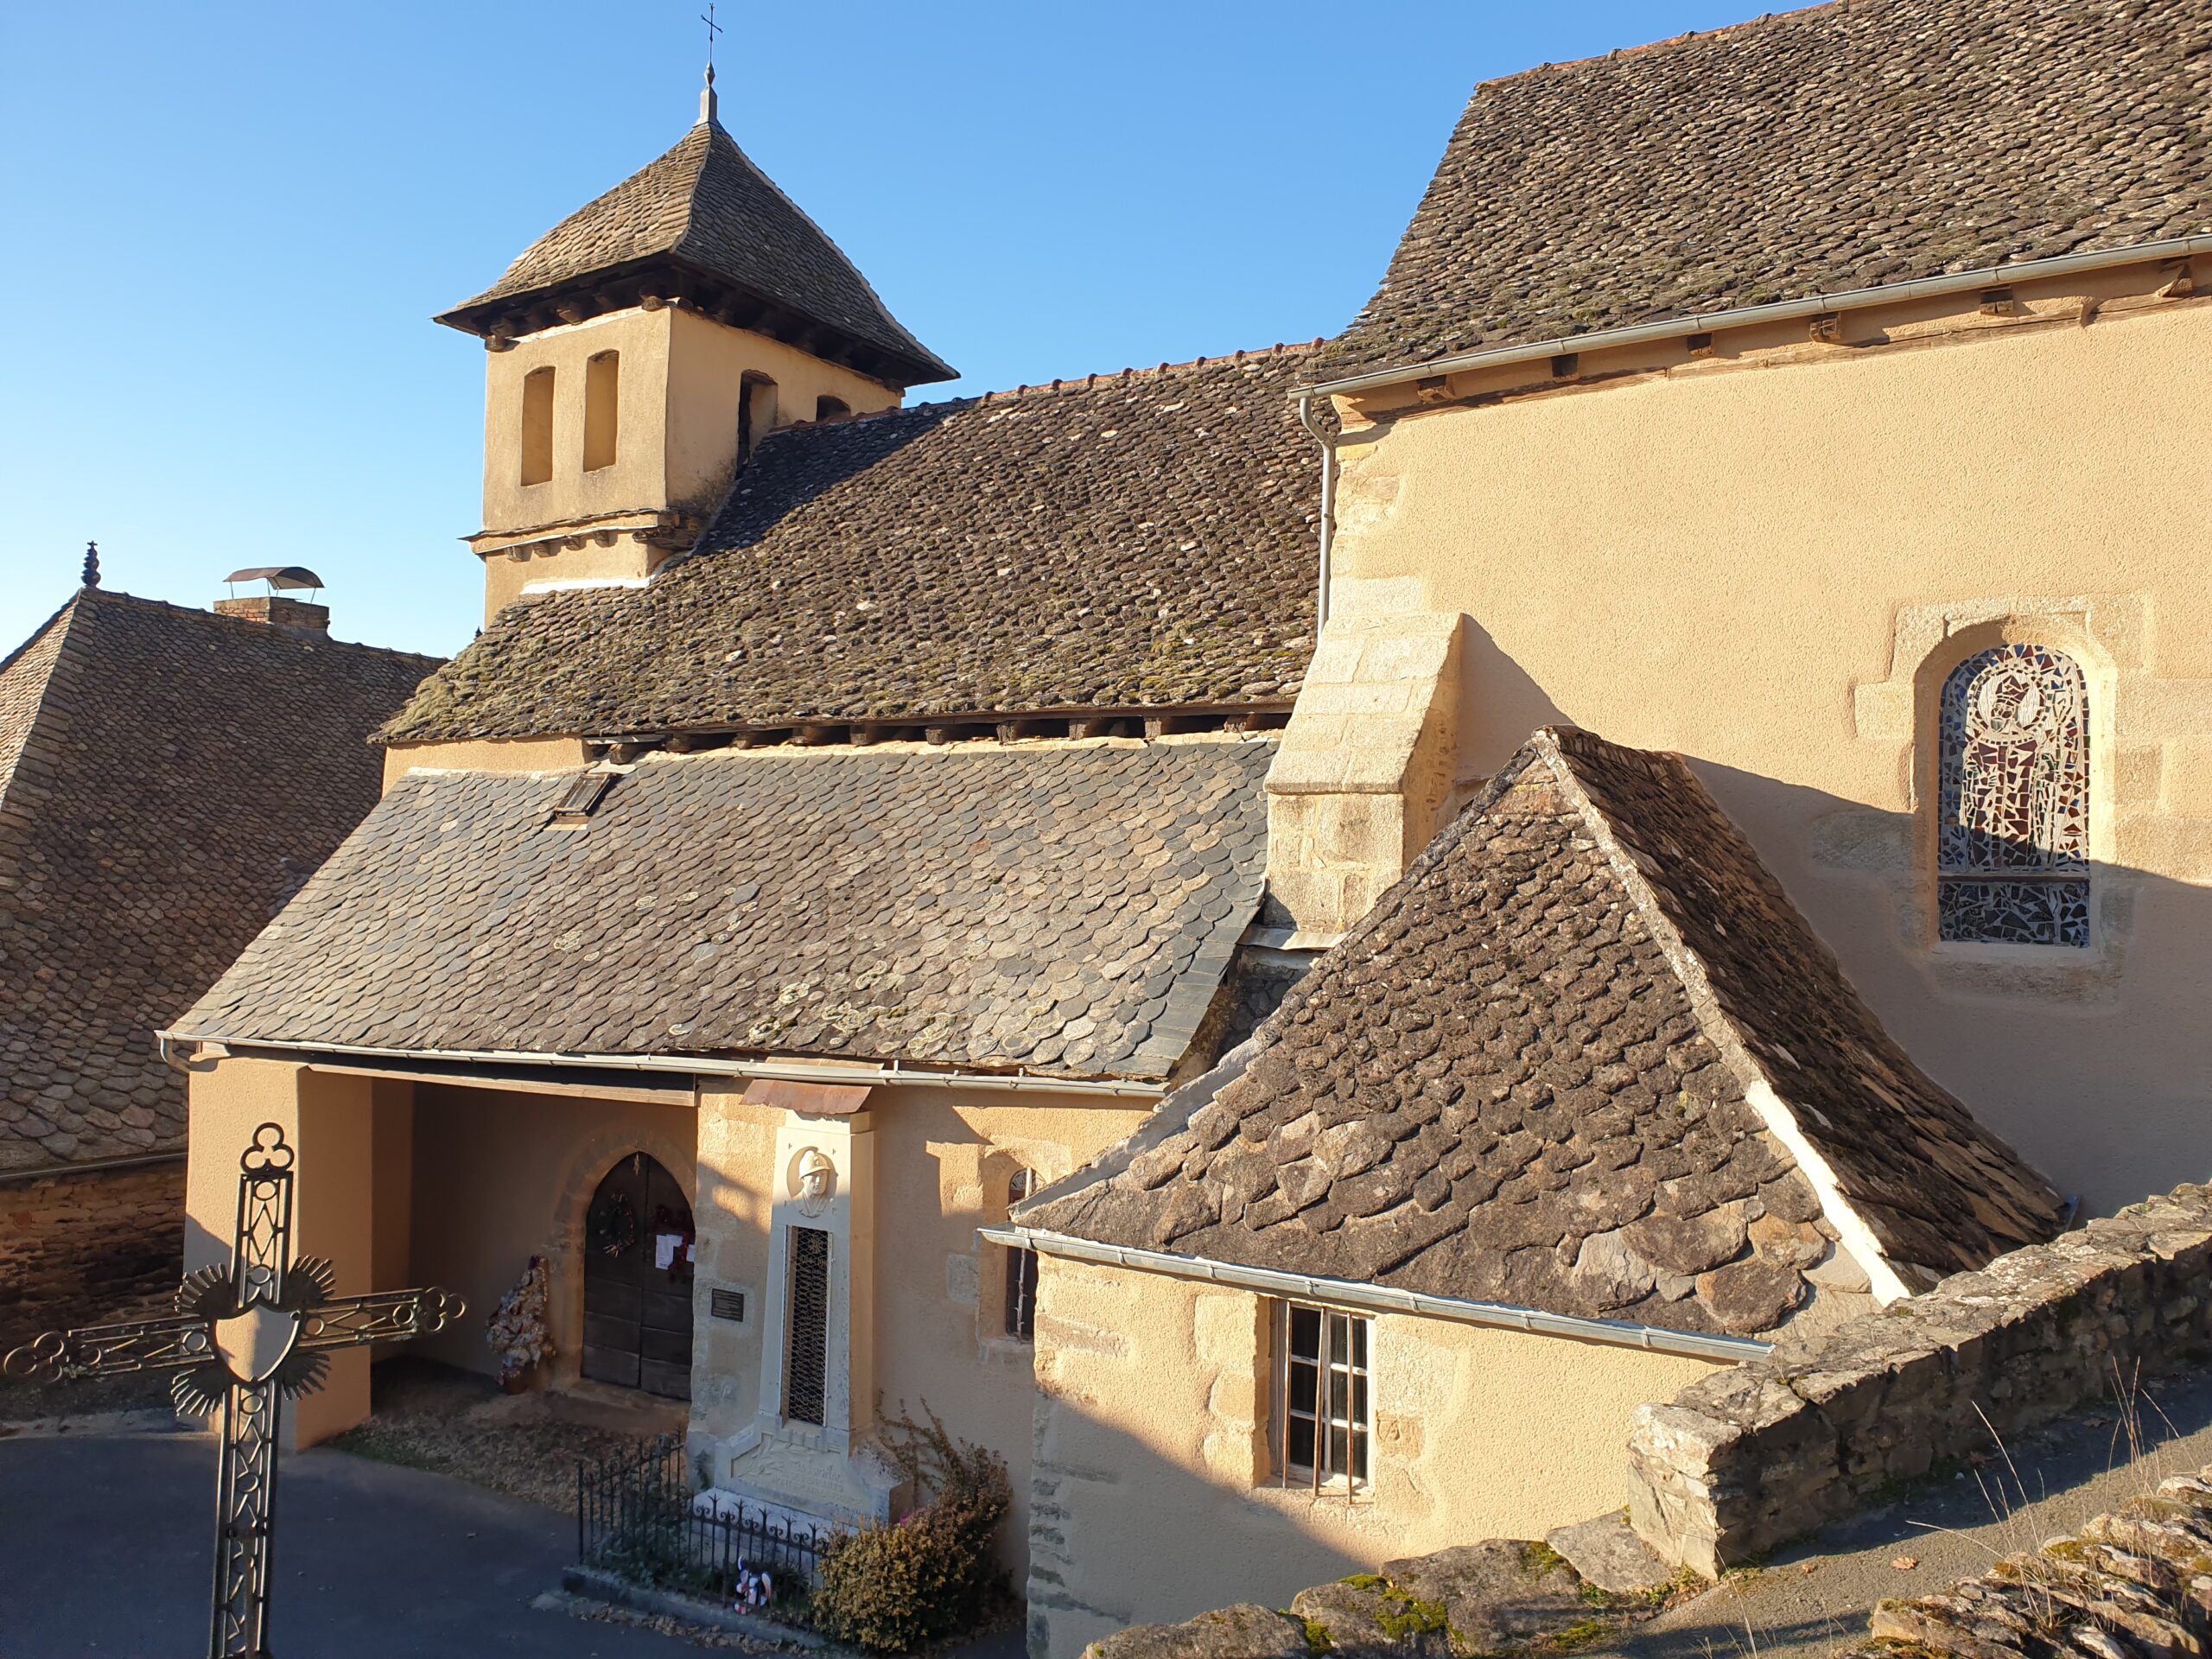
(852, 817)
(1820, 407)
(1284, 940)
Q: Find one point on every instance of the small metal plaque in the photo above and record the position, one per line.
(727, 1304)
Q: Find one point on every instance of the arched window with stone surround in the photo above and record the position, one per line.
(2012, 841)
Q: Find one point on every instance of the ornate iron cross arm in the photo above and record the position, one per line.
(241, 1338)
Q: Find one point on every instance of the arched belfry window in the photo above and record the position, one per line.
(602, 408)
(756, 411)
(2012, 843)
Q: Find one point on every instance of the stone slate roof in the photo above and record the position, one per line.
(1142, 539)
(1838, 147)
(1534, 1074)
(168, 778)
(1067, 909)
(704, 205)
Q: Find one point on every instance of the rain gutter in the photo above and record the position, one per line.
(2022, 270)
(702, 1065)
(90, 1166)
(1381, 1299)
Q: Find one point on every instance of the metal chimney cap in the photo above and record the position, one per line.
(278, 575)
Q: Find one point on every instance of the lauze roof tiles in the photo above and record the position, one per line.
(1144, 540)
(1533, 1075)
(705, 205)
(1841, 147)
(168, 779)
(1063, 910)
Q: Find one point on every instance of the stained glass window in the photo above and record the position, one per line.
(2013, 847)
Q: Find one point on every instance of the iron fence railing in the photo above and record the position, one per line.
(638, 1517)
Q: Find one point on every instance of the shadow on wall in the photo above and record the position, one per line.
(1121, 1534)
(2096, 1064)
(1499, 703)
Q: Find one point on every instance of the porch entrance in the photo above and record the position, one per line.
(638, 1266)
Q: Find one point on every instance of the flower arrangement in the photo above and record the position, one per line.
(752, 1592)
(516, 1330)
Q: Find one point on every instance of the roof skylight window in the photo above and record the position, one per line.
(585, 792)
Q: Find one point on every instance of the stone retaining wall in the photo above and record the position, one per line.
(77, 1247)
(1748, 1457)
(2127, 1586)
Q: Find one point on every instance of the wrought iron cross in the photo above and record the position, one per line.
(713, 30)
(240, 1338)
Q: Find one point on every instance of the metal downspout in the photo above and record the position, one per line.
(1328, 507)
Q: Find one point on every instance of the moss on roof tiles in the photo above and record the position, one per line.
(1139, 540)
(1810, 152)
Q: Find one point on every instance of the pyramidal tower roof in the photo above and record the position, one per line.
(705, 226)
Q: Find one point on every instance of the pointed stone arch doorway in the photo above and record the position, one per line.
(638, 1267)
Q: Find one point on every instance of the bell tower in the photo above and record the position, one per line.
(639, 349)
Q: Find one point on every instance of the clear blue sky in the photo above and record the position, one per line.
(230, 223)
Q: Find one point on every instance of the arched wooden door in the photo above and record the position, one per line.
(637, 1265)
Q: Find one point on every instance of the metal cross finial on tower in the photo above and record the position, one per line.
(242, 1338)
(708, 108)
(92, 564)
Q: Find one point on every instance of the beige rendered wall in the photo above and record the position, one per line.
(679, 377)
(498, 1176)
(1768, 559)
(329, 1123)
(636, 478)
(706, 363)
(486, 754)
(736, 1173)
(943, 1160)
(1151, 1491)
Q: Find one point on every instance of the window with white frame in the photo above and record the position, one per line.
(1322, 1422)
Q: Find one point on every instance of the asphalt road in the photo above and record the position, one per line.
(106, 1549)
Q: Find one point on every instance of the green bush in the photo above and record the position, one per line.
(891, 1589)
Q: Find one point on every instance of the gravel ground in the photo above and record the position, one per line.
(428, 1416)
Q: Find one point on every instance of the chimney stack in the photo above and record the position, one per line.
(271, 609)
(278, 613)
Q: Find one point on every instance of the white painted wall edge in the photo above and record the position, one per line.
(576, 584)
(1381, 1299)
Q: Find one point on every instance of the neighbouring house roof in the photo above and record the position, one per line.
(1844, 147)
(1065, 910)
(703, 209)
(1144, 539)
(168, 778)
(1586, 1056)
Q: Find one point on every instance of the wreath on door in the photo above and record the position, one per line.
(612, 1227)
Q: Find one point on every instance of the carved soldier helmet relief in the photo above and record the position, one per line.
(813, 1180)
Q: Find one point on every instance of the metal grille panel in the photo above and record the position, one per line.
(807, 1352)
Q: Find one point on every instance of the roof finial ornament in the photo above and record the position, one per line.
(710, 111)
(92, 564)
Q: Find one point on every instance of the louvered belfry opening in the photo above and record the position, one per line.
(807, 1356)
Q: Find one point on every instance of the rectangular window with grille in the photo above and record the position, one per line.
(1021, 1294)
(1020, 1267)
(806, 1353)
(1322, 1417)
